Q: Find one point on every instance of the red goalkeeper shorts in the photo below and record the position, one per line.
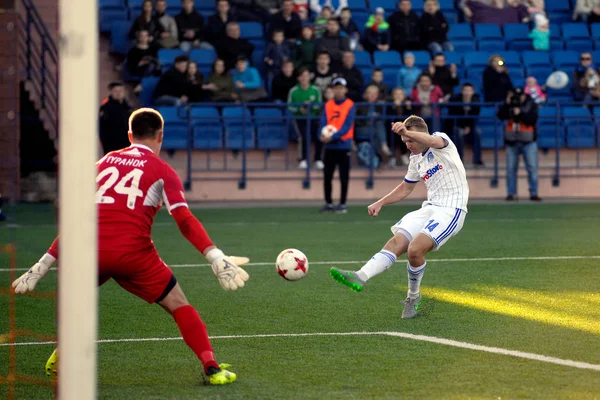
(142, 273)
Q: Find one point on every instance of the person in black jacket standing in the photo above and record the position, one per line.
(496, 82)
(404, 28)
(463, 125)
(434, 28)
(114, 119)
(173, 87)
(443, 75)
(353, 76)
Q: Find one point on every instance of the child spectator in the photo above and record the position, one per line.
(276, 53)
(408, 74)
(247, 82)
(377, 80)
(304, 52)
(533, 89)
(320, 22)
(541, 33)
(220, 84)
(349, 27)
(434, 28)
(196, 80)
(141, 59)
(376, 36)
(426, 93)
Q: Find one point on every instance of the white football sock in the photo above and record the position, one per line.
(414, 279)
(377, 264)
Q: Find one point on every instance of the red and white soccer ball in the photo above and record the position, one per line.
(328, 130)
(292, 264)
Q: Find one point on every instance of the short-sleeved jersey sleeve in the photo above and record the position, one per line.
(173, 196)
(412, 175)
(446, 139)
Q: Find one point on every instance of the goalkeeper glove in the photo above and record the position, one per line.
(227, 270)
(28, 281)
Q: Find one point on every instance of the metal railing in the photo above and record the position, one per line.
(247, 125)
(39, 56)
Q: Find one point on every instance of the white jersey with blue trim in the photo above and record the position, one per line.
(443, 173)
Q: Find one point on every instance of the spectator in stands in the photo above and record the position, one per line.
(173, 87)
(195, 79)
(306, 121)
(369, 121)
(540, 35)
(498, 12)
(426, 94)
(276, 53)
(168, 38)
(301, 8)
(266, 9)
(585, 78)
(333, 43)
(534, 7)
(190, 24)
(247, 82)
(323, 74)
(283, 82)
(535, 91)
(287, 21)
(353, 76)
(404, 28)
(220, 83)
(408, 74)
(468, 14)
(400, 108)
(443, 76)
(376, 36)
(587, 11)
(336, 6)
(350, 29)
(303, 53)
(320, 22)
(496, 82)
(146, 22)
(2, 215)
(246, 11)
(217, 23)
(232, 46)
(520, 138)
(142, 59)
(114, 119)
(328, 94)
(377, 80)
(434, 28)
(463, 125)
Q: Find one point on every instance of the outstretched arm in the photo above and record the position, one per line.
(29, 280)
(419, 137)
(400, 192)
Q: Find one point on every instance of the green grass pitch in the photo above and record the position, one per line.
(540, 303)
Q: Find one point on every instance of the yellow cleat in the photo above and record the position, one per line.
(222, 377)
(52, 364)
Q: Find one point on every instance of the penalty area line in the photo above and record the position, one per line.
(404, 335)
(446, 260)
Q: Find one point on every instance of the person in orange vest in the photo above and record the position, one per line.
(339, 112)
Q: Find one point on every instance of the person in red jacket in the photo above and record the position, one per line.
(426, 94)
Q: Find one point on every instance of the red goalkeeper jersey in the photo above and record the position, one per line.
(133, 183)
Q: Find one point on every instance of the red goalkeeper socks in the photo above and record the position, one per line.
(195, 335)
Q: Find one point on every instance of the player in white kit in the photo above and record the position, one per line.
(434, 160)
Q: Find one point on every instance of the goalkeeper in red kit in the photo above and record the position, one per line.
(133, 183)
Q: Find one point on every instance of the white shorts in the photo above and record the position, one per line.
(439, 223)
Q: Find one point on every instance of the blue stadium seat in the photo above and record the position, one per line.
(579, 44)
(491, 44)
(360, 18)
(476, 59)
(559, 10)
(108, 14)
(580, 130)
(176, 128)
(387, 59)
(487, 31)
(418, 6)
(357, 5)
(119, 37)
(251, 30)
(547, 129)
(540, 72)
(148, 87)
(366, 74)
(461, 37)
(271, 130)
(363, 59)
(166, 57)
(206, 6)
(238, 128)
(517, 37)
(422, 58)
(207, 129)
(516, 74)
(388, 5)
(454, 57)
(203, 56)
(490, 125)
(135, 3)
(575, 30)
(390, 76)
(535, 58)
(595, 28)
(565, 60)
(512, 59)
(451, 16)
(446, 5)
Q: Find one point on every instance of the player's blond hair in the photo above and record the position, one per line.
(416, 123)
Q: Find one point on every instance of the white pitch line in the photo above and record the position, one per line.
(447, 260)
(422, 338)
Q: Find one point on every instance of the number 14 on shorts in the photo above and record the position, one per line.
(431, 225)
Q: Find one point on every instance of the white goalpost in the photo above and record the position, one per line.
(77, 273)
